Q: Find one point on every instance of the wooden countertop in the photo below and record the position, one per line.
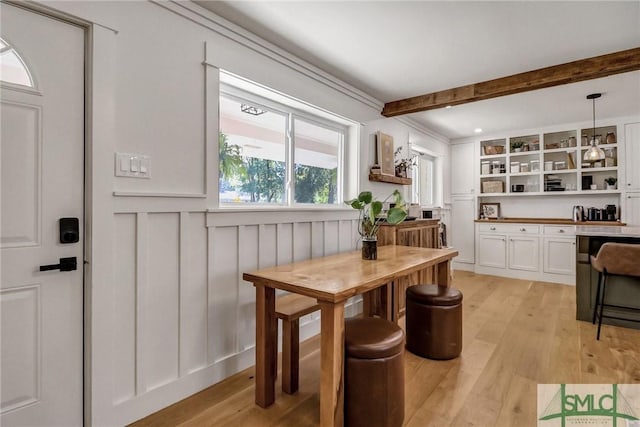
(412, 223)
(550, 221)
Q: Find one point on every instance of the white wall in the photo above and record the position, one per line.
(168, 313)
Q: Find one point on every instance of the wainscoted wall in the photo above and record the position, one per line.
(180, 307)
(167, 312)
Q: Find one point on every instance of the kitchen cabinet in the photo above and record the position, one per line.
(492, 250)
(632, 209)
(461, 231)
(559, 255)
(523, 253)
(462, 168)
(632, 146)
(526, 251)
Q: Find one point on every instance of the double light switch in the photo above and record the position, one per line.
(133, 165)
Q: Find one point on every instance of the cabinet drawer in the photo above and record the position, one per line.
(509, 228)
(560, 230)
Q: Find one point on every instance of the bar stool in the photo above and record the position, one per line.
(434, 321)
(614, 259)
(373, 373)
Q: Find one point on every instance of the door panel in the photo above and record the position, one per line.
(21, 147)
(524, 253)
(42, 157)
(492, 251)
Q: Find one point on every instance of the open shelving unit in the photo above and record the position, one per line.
(547, 164)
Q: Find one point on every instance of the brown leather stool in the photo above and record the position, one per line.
(614, 259)
(374, 373)
(434, 321)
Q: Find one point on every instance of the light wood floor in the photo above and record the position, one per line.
(517, 334)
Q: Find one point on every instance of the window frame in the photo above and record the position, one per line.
(291, 114)
(434, 187)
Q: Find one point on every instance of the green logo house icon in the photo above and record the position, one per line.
(583, 408)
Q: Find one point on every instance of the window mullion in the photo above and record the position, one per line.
(289, 147)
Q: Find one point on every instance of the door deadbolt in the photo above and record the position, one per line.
(69, 230)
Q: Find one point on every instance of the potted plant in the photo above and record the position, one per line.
(403, 165)
(516, 147)
(611, 183)
(369, 219)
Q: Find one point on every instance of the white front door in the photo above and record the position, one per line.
(42, 156)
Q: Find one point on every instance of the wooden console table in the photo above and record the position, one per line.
(331, 280)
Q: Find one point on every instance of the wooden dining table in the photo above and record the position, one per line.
(332, 280)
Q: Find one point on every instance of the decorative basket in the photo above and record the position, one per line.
(493, 187)
(493, 149)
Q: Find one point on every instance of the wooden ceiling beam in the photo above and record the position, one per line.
(570, 72)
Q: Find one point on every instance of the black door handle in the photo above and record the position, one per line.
(66, 264)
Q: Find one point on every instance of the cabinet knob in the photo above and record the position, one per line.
(523, 229)
(504, 240)
(494, 229)
(573, 243)
(560, 231)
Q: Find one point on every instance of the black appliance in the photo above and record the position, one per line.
(611, 213)
(594, 214)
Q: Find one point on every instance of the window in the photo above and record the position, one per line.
(12, 67)
(423, 189)
(273, 154)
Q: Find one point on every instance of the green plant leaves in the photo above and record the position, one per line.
(365, 197)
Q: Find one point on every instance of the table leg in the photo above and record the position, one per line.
(331, 364)
(266, 346)
(444, 273)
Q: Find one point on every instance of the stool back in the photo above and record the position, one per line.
(621, 259)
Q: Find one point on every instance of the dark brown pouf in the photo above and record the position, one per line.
(374, 373)
(434, 321)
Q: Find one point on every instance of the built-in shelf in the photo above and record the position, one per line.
(390, 179)
(560, 150)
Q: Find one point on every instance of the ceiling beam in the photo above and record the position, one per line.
(571, 72)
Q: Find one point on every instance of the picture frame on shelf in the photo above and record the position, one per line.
(490, 210)
(385, 154)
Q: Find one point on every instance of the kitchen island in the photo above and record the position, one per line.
(620, 290)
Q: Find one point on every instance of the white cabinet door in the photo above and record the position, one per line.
(461, 231)
(524, 253)
(632, 209)
(492, 250)
(632, 160)
(462, 168)
(560, 255)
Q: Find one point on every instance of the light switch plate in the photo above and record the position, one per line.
(133, 165)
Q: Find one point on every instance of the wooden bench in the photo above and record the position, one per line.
(290, 308)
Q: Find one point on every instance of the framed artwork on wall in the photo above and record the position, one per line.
(490, 210)
(385, 154)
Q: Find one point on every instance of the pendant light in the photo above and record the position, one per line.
(594, 153)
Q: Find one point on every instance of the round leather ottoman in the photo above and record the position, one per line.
(434, 321)
(374, 373)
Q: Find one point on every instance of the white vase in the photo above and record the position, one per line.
(610, 186)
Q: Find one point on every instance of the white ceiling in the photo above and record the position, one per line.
(393, 50)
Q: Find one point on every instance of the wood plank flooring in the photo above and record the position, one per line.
(517, 334)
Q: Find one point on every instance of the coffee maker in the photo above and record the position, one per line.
(610, 213)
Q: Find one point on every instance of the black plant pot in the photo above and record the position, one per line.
(369, 249)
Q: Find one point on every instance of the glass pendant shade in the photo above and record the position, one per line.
(594, 153)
